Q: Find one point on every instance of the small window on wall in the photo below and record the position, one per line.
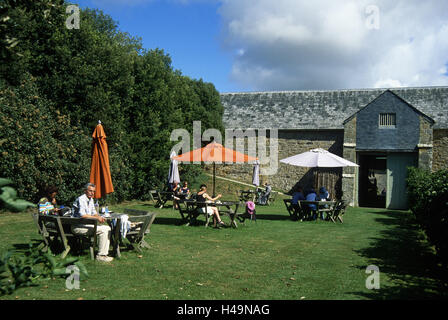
(387, 120)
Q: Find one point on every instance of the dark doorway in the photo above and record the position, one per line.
(372, 180)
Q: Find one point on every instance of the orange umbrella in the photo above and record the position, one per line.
(99, 169)
(214, 153)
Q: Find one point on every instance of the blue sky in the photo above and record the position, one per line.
(269, 45)
(189, 33)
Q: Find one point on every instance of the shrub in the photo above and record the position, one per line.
(428, 200)
(39, 146)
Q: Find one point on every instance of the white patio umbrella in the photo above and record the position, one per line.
(173, 175)
(256, 174)
(318, 158)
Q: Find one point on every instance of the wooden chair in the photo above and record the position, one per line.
(65, 224)
(339, 211)
(160, 198)
(141, 222)
(188, 211)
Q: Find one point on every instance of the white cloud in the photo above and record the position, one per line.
(388, 83)
(327, 44)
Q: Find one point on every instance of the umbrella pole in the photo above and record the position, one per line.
(214, 175)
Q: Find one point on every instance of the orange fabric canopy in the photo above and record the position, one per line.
(99, 168)
(214, 152)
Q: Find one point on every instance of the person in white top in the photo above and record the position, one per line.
(84, 207)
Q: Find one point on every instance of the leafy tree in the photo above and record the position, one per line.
(56, 83)
(38, 145)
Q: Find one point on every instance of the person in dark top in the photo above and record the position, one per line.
(324, 195)
(312, 196)
(175, 188)
(297, 195)
(202, 196)
(184, 192)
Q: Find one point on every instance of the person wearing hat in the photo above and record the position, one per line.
(323, 196)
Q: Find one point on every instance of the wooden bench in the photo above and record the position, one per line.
(296, 212)
(53, 227)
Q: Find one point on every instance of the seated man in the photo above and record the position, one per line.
(323, 194)
(264, 196)
(296, 196)
(84, 208)
(175, 188)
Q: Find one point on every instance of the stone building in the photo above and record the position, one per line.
(382, 130)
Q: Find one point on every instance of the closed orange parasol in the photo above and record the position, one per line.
(214, 153)
(99, 169)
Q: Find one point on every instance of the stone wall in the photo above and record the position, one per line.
(349, 181)
(440, 149)
(290, 142)
(425, 144)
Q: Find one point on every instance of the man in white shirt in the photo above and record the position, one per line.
(84, 207)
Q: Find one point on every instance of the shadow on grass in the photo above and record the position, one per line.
(169, 221)
(261, 216)
(409, 262)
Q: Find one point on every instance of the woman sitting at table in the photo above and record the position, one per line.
(202, 196)
(184, 191)
(176, 191)
(48, 206)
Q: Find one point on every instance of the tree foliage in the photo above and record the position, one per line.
(428, 200)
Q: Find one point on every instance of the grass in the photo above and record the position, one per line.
(274, 258)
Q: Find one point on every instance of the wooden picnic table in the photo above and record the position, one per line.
(53, 228)
(321, 206)
(190, 210)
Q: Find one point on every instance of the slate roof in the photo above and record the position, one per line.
(325, 109)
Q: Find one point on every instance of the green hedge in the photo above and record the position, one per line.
(56, 83)
(39, 146)
(428, 200)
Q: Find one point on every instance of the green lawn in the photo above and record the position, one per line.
(273, 258)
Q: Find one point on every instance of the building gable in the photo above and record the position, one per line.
(388, 123)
